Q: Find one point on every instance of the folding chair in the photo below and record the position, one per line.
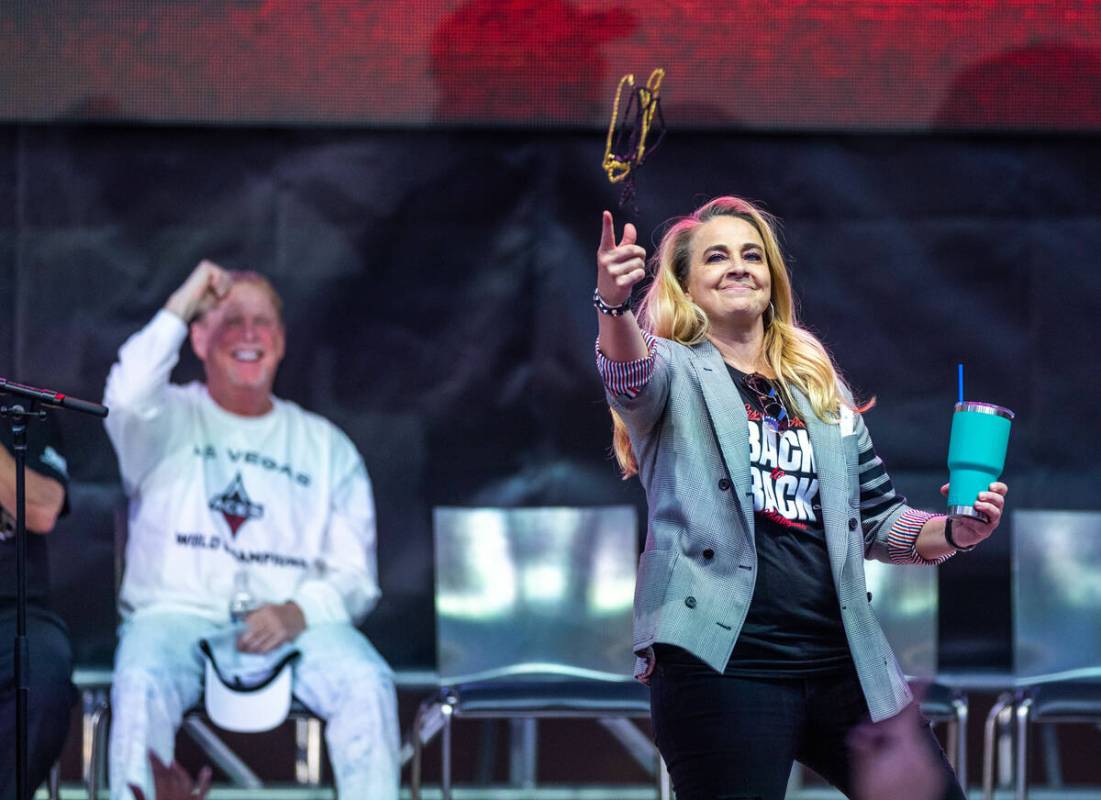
(533, 620)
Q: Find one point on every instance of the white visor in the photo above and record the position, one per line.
(247, 693)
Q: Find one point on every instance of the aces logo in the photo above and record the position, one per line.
(235, 505)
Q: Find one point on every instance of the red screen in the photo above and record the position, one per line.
(791, 65)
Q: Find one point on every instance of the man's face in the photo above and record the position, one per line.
(240, 342)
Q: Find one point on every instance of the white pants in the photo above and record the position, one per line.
(158, 677)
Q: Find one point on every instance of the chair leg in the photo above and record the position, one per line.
(523, 747)
(1053, 764)
(307, 751)
(1023, 709)
(795, 778)
(220, 754)
(415, 767)
(960, 706)
(1004, 701)
(420, 739)
(665, 783)
(53, 782)
(92, 700)
(431, 717)
(445, 754)
(98, 721)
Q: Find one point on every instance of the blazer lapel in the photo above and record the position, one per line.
(729, 421)
(829, 458)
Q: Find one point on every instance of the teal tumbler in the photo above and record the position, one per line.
(976, 454)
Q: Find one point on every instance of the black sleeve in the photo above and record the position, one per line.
(45, 452)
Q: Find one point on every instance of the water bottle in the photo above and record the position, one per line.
(241, 602)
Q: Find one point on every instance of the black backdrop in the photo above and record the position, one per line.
(437, 287)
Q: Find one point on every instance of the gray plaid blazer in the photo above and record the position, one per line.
(688, 430)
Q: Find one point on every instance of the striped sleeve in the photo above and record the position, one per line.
(626, 378)
(879, 501)
(903, 535)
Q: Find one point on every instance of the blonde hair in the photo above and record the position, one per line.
(793, 353)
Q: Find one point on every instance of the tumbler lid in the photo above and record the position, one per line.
(985, 408)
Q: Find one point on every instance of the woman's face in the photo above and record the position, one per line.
(727, 274)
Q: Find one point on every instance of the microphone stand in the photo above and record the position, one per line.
(20, 412)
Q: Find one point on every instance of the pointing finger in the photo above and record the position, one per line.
(607, 233)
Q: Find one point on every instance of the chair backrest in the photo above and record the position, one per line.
(534, 591)
(904, 599)
(82, 556)
(1057, 595)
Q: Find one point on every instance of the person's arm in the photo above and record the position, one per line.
(889, 525)
(138, 381)
(45, 496)
(895, 532)
(630, 361)
(345, 587)
(618, 268)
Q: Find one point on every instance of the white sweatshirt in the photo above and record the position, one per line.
(284, 497)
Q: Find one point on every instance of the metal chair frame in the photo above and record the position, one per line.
(448, 707)
(956, 723)
(308, 747)
(1039, 660)
(1009, 720)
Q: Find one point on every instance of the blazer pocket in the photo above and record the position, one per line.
(651, 583)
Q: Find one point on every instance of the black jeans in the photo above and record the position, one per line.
(727, 738)
(51, 694)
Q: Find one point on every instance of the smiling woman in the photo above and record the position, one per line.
(732, 281)
(765, 496)
(727, 243)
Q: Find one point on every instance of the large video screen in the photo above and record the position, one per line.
(911, 65)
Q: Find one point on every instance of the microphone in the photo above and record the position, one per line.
(50, 398)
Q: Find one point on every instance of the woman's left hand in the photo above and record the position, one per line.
(968, 532)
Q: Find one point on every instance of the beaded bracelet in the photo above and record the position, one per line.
(612, 311)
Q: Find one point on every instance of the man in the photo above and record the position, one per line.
(232, 491)
(51, 692)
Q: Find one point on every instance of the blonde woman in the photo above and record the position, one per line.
(752, 621)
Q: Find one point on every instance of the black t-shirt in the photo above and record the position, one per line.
(44, 456)
(794, 622)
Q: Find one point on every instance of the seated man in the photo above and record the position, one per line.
(232, 487)
(51, 693)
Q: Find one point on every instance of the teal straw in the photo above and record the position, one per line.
(960, 380)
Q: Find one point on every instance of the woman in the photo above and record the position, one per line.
(752, 621)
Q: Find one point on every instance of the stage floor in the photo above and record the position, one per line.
(76, 792)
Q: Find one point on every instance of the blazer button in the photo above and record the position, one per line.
(708, 554)
(869, 597)
(690, 601)
(724, 484)
(852, 524)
